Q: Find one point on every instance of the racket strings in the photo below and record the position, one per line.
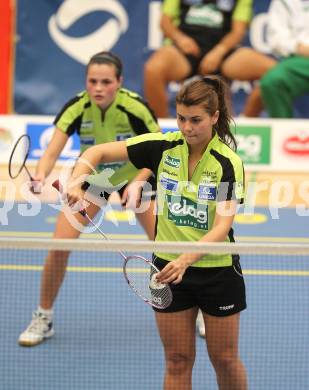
(19, 156)
(141, 275)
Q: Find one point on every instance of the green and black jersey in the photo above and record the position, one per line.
(127, 117)
(186, 209)
(207, 21)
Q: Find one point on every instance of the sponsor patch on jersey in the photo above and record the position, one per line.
(168, 184)
(207, 191)
(209, 176)
(123, 137)
(169, 172)
(207, 15)
(86, 125)
(172, 161)
(87, 140)
(185, 212)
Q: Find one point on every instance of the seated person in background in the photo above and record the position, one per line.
(204, 38)
(288, 37)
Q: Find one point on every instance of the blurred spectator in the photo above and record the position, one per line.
(203, 38)
(288, 37)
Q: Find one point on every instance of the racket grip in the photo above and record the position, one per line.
(56, 184)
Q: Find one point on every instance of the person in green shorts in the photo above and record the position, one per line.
(200, 181)
(288, 37)
(104, 112)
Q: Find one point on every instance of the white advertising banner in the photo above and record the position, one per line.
(11, 128)
(275, 145)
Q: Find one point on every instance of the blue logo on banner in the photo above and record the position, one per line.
(168, 184)
(166, 129)
(207, 191)
(41, 134)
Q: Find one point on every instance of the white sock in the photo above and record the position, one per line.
(46, 312)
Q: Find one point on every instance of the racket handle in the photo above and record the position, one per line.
(56, 184)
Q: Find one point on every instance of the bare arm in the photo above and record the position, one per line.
(174, 270)
(51, 154)
(131, 196)
(234, 37)
(212, 60)
(185, 43)
(302, 50)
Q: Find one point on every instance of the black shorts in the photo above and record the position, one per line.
(217, 291)
(195, 61)
(100, 193)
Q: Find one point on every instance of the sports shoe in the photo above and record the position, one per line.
(40, 328)
(200, 324)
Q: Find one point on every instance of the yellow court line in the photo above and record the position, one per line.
(265, 239)
(265, 272)
(260, 239)
(83, 235)
(275, 272)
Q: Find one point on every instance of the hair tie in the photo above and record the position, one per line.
(213, 82)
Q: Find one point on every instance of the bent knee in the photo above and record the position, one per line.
(224, 360)
(177, 363)
(156, 65)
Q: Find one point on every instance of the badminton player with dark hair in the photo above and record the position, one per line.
(200, 181)
(104, 112)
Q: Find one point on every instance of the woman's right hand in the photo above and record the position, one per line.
(74, 197)
(37, 183)
(187, 45)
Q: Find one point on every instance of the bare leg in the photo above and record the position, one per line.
(165, 65)
(254, 103)
(177, 332)
(248, 64)
(222, 344)
(56, 261)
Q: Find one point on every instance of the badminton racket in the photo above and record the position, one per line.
(139, 272)
(19, 156)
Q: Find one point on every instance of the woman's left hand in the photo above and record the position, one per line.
(74, 197)
(212, 60)
(173, 271)
(132, 194)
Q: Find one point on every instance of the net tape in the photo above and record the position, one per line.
(133, 246)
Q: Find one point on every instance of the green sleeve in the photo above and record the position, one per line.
(69, 117)
(140, 116)
(243, 11)
(171, 8)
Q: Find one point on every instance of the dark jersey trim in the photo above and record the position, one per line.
(148, 154)
(138, 125)
(226, 189)
(142, 101)
(75, 126)
(66, 106)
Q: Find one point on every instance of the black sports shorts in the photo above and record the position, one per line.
(217, 291)
(195, 61)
